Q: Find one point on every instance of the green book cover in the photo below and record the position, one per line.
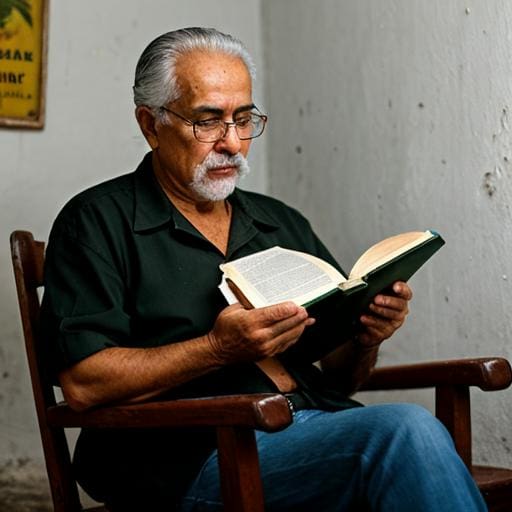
(337, 312)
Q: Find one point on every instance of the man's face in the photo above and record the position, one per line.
(213, 85)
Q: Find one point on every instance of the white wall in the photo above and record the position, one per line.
(392, 116)
(90, 135)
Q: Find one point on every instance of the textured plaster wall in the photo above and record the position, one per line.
(396, 115)
(90, 135)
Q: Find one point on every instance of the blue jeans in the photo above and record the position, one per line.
(391, 457)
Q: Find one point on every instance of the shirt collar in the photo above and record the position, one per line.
(153, 209)
(253, 210)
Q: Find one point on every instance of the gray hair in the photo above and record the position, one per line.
(155, 75)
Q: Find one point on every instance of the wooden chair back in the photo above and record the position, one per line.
(28, 261)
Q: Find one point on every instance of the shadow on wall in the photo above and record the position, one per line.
(24, 487)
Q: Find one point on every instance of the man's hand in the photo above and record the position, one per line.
(252, 334)
(386, 314)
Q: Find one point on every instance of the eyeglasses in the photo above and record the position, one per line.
(248, 125)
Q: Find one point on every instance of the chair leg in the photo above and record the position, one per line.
(241, 486)
(454, 410)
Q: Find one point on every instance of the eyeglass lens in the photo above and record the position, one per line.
(247, 127)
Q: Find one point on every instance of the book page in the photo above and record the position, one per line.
(227, 292)
(276, 275)
(386, 250)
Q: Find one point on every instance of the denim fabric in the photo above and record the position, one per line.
(390, 457)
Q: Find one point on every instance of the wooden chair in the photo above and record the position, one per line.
(236, 417)
(452, 381)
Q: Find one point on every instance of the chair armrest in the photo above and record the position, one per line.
(487, 373)
(268, 412)
(452, 380)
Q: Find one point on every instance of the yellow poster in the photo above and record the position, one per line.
(22, 52)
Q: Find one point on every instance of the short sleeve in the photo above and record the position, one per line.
(83, 309)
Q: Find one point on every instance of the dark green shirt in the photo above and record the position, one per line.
(125, 268)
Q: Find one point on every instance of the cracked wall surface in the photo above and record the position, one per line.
(24, 487)
(394, 116)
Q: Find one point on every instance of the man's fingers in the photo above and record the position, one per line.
(289, 337)
(390, 312)
(271, 315)
(402, 290)
(382, 324)
(277, 328)
(279, 335)
(375, 334)
(390, 302)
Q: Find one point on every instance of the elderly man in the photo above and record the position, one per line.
(132, 311)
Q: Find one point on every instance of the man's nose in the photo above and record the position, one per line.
(230, 143)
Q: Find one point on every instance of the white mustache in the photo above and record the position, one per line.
(214, 160)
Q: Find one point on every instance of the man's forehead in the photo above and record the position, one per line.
(200, 66)
(208, 79)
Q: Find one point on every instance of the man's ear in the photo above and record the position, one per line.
(147, 122)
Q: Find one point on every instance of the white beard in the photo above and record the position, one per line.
(218, 189)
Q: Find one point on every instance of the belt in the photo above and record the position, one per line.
(296, 401)
(278, 374)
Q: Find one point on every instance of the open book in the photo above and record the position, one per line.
(276, 275)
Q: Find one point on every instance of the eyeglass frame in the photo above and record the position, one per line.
(227, 125)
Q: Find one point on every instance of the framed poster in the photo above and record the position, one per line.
(23, 49)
